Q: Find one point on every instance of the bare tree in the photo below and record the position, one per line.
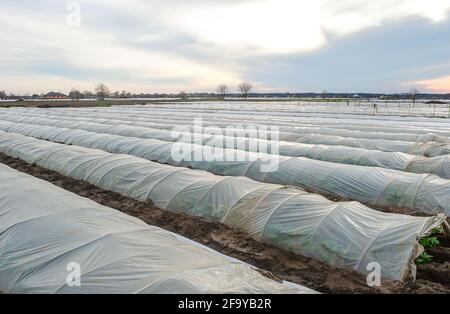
(324, 94)
(123, 94)
(102, 91)
(222, 90)
(88, 94)
(75, 94)
(2, 94)
(413, 93)
(183, 95)
(245, 88)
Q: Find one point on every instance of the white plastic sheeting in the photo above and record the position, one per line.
(341, 234)
(285, 148)
(372, 186)
(286, 133)
(291, 119)
(439, 165)
(309, 107)
(45, 229)
(428, 149)
(370, 124)
(254, 109)
(338, 154)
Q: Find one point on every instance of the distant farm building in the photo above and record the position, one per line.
(53, 95)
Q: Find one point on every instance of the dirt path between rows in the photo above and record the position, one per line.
(273, 262)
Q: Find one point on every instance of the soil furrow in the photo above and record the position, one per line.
(273, 262)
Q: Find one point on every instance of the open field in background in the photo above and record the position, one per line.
(375, 107)
(351, 187)
(361, 107)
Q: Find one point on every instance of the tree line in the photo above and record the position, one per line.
(244, 89)
(102, 91)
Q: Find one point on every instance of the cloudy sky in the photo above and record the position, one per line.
(194, 45)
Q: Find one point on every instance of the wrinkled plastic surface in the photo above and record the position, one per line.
(372, 186)
(346, 234)
(152, 116)
(439, 165)
(429, 149)
(43, 233)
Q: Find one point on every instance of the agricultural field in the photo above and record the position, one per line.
(348, 106)
(268, 197)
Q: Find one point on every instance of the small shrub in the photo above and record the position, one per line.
(424, 258)
(429, 242)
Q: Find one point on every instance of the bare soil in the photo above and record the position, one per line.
(272, 262)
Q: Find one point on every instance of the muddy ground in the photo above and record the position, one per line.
(273, 262)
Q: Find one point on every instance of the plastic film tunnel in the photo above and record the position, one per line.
(346, 234)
